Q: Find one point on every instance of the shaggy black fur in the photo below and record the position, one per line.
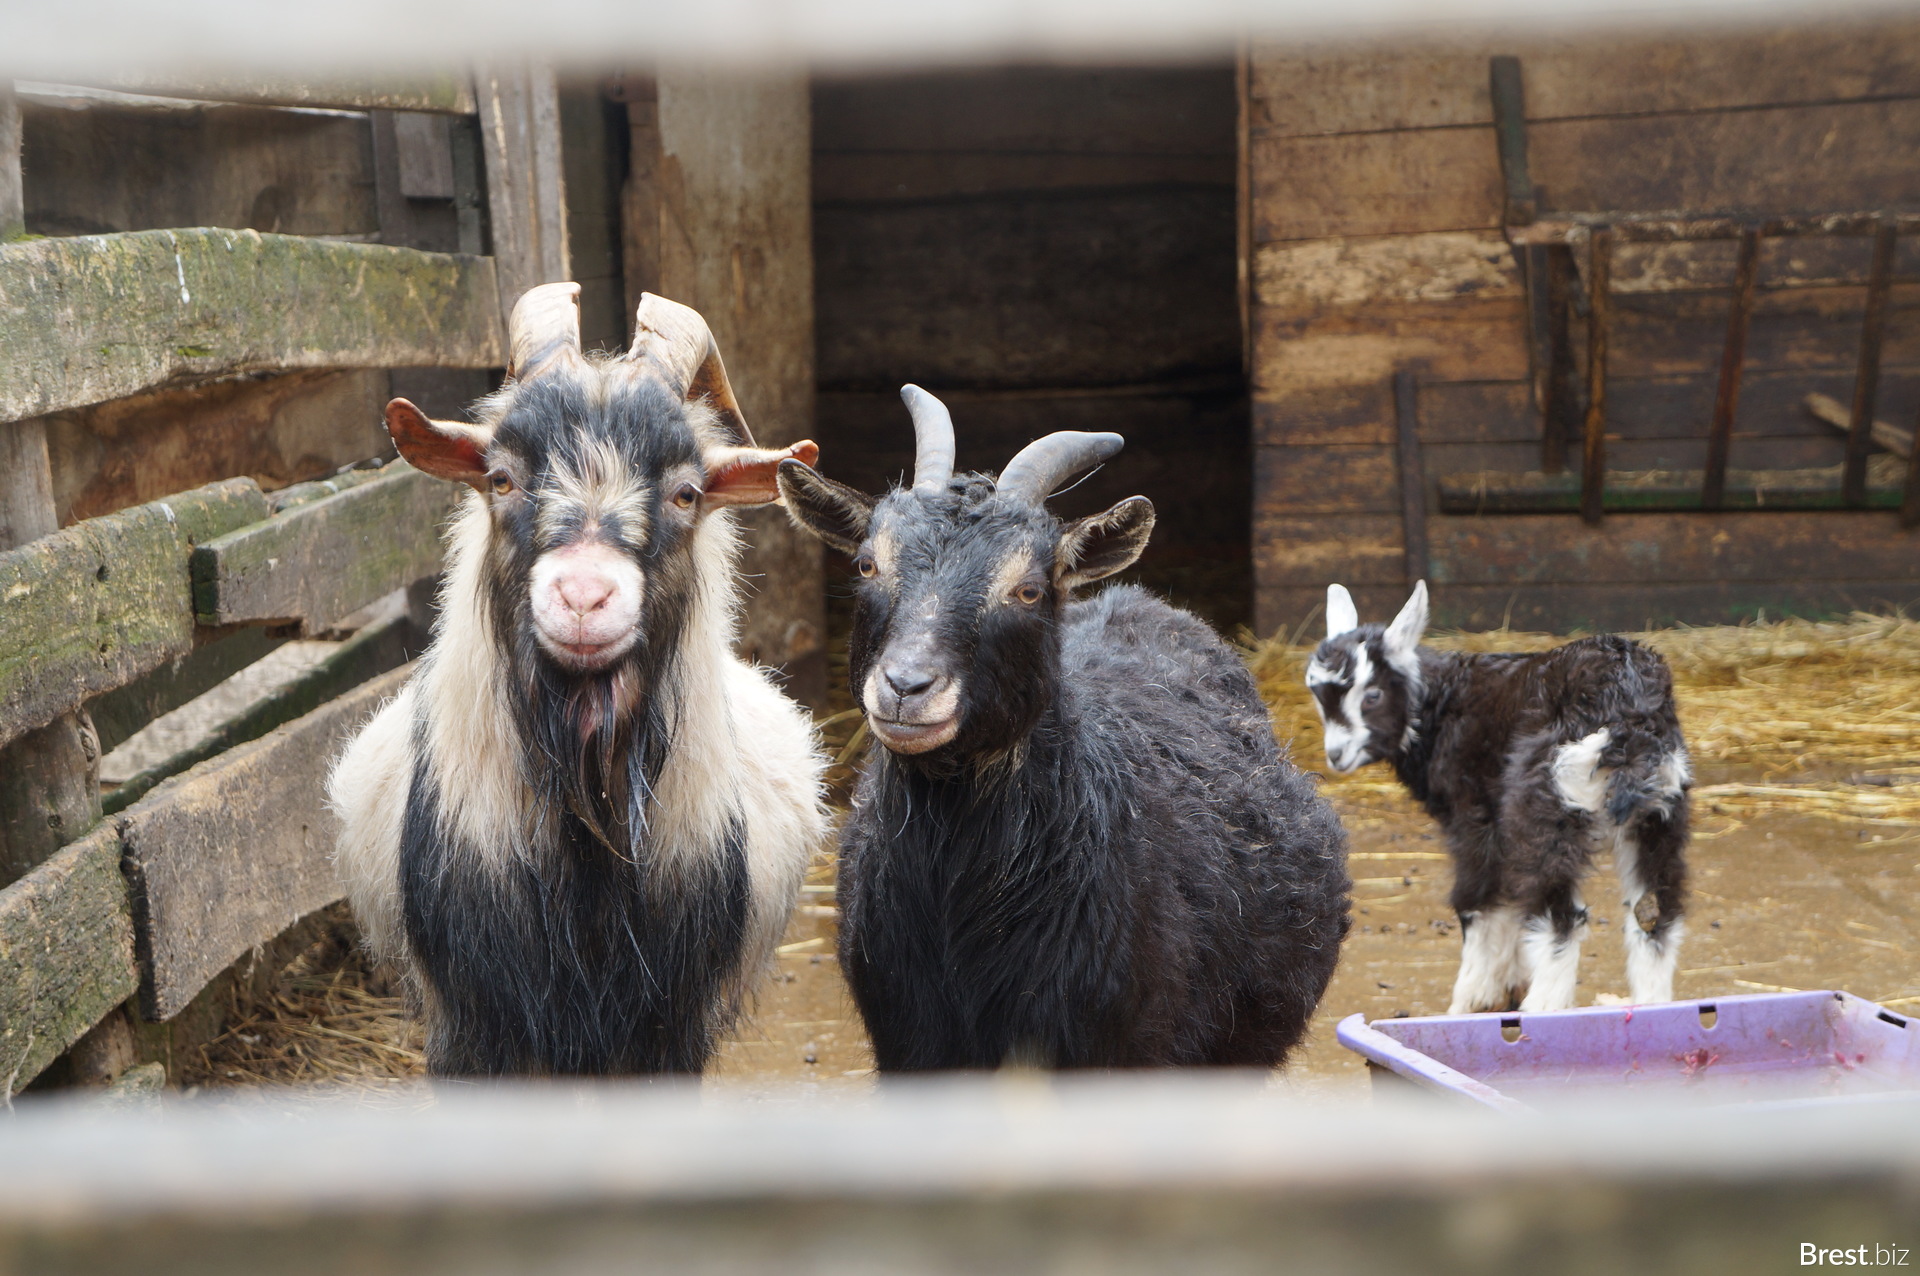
(1474, 737)
(1112, 864)
(583, 954)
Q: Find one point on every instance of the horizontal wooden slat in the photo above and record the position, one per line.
(1317, 549)
(369, 653)
(1348, 271)
(100, 603)
(445, 94)
(98, 317)
(1351, 479)
(1475, 339)
(118, 714)
(66, 954)
(325, 558)
(1374, 184)
(231, 853)
(1496, 492)
(1421, 86)
(1521, 549)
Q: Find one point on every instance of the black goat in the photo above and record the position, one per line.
(1080, 846)
(1531, 763)
(578, 831)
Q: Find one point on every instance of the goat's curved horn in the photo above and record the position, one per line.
(932, 441)
(674, 343)
(544, 331)
(1044, 464)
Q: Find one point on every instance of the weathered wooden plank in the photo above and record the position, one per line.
(325, 558)
(1355, 549)
(12, 196)
(1376, 184)
(1474, 339)
(231, 853)
(1349, 271)
(1351, 414)
(96, 605)
(66, 954)
(1347, 479)
(448, 93)
(273, 429)
(97, 317)
(1521, 549)
(1506, 492)
(366, 655)
(519, 109)
(105, 163)
(118, 714)
(1433, 84)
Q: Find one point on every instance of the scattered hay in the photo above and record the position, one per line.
(1826, 714)
(327, 1021)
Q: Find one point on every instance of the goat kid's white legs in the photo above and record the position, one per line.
(1490, 961)
(1650, 961)
(1553, 965)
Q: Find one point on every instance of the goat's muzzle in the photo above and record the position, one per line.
(586, 603)
(912, 702)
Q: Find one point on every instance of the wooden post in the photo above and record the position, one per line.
(1413, 477)
(1593, 474)
(1726, 397)
(526, 185)
(1866, 381)
(49, 791)
(718, 214)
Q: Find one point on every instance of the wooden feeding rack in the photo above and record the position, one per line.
(1548, 247)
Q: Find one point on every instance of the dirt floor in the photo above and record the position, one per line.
(1806, 869)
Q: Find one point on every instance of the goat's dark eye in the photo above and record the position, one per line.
(865, 566)
(686, 496)
(1029, 594)
(501, 484)
(1372, 697)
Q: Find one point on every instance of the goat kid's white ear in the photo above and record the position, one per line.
(1403, 635)
(1342, 615)
(751, 475)
(444, 449)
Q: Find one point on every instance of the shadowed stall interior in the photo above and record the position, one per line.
(1045, 248)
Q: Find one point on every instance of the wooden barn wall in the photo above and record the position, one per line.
(1373, 224)
(1046, 249)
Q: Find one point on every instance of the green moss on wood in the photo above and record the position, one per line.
(66, 953)
(96, 605)
(89, 318)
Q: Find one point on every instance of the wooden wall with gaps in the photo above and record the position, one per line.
(1372, 242)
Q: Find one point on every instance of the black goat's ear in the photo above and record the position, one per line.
(1099, 545)
(444, 449)
(834, 512)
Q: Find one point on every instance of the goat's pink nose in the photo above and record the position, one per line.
(584, 592)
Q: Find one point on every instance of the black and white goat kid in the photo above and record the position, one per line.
(1080, 845)
(578, 831)
(1531, 763)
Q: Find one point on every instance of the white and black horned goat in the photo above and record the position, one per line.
(1081, 845)
(1531, 763)
(579, 829)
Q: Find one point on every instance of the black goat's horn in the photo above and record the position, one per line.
(543, 331)
(1044, 464)
(932, 441)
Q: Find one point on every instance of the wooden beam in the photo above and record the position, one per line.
(442, 94)
(325, 558)
(1593, 470)
(1726, 397)
(1818, 488)
(234, 851)
(98, 317)
(1507, 94)
(1413, 479)
(95, 605)
(1866, 381)
(519, 107)
(13, 205)
(66, 954)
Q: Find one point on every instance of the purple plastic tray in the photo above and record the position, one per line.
(1791, 1046)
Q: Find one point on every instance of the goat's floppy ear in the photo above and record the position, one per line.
(1342, 615)
(1403, 635)
(1101, 544)
(444, 449)
(749, 475)
(834, 512)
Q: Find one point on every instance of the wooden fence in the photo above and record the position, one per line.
(145, 897)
